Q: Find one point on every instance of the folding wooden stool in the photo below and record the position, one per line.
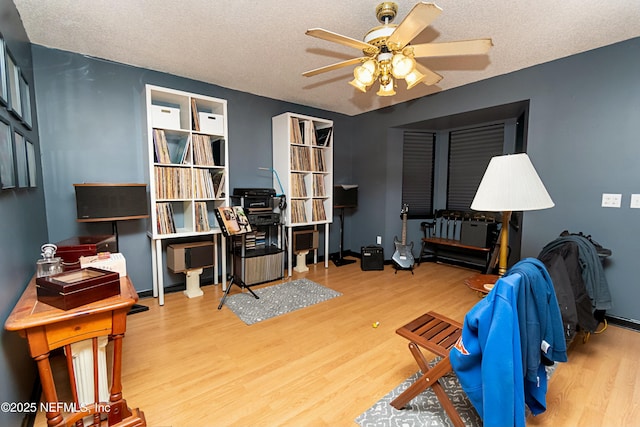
(437, 334)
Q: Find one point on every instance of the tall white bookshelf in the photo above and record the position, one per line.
(303, 161)
(187, 148)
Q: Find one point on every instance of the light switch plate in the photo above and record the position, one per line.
(635, 201)
(610, 200)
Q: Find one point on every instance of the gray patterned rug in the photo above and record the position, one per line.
(423, 410)
(278, 299)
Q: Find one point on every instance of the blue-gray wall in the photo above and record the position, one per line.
(23, 230)
(93, 129)
(582, 138)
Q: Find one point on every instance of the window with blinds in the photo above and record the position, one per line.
(470, 151)
(417, 173)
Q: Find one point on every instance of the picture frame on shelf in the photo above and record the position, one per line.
(13, 85)
(7, 171)
(21, 160)
(3, 74)
(32, 166)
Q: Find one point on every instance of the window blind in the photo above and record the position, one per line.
(470, 151)
(417, 173)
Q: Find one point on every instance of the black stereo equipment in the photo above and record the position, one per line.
(372, 258)
(264, 218)
(478, 233)
(254, 199)
(254, 192)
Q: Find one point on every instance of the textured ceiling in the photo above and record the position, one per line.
(260, 47)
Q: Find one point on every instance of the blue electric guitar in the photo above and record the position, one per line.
(403, 256)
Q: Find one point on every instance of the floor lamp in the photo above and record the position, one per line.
(509, 184)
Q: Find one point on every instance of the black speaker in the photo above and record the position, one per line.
(103, 202)
(478, 233)
(187, 256)
(305, 240)
(345, 196)
(372, 258)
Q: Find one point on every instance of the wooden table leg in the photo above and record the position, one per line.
(54, 417)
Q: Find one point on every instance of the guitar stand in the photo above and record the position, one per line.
(397, 267)
(239, 283)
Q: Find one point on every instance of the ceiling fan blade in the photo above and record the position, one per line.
(417, 20)
(431, 77)
(465, 47)
(332, 67)
(338, 38)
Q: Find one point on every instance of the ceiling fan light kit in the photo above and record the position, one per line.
(388, 54)
(386, 89)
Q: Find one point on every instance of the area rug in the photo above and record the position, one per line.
(423, 410)
(277, 300)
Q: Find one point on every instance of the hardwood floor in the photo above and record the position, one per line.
(187, 364)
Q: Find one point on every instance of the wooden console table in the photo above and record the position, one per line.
(47, 328)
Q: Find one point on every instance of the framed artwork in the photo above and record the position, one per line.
(3, 74)
(21, 160)
(25, 98)
(7, 172)
(13, 85)
(31, 164)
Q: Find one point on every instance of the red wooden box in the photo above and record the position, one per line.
(70, 250)
(75, 288)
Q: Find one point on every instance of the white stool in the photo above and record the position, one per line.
(301, 262)
(193, 283)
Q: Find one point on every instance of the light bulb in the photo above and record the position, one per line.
(366, 73)
(402, 65)
(413, 78)
(358, 85)
(386, 90)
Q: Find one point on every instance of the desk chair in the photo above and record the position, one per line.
(436, 334)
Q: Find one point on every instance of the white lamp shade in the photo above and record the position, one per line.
(511, 183)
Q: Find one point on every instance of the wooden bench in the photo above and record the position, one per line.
(443, 238)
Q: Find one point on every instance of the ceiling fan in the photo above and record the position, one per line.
(388, 53)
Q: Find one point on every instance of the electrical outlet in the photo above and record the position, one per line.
(611, 200)
(635, 201)
(378, 240)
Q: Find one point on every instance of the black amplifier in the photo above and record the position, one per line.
(264, 218)
(254, 192)
(478, 233)
(372, 258)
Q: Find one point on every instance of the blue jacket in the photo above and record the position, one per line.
(498, 357)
